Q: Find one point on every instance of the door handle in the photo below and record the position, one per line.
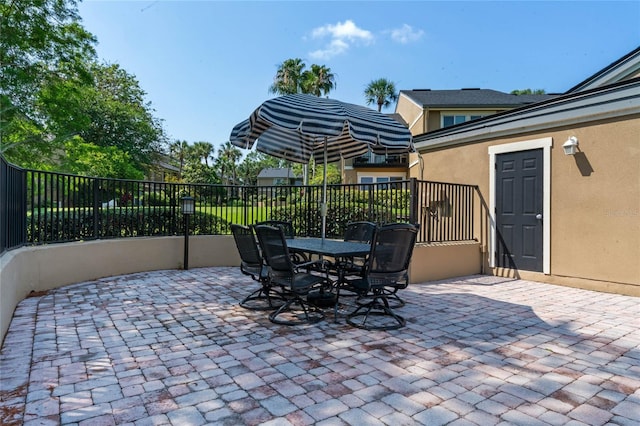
(539, 216)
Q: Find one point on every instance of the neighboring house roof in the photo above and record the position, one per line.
(274, 173)
(615, 100)
(624, 68)
(165, 162)
(470, 98)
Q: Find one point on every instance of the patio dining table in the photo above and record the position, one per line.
(336, 249)
(328, 247)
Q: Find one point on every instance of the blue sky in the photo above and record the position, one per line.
(206, 65)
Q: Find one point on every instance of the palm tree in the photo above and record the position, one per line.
(381, 92)
(179, 149)
(203, 151)
(228, 156)
(288, 79)
(318, 81)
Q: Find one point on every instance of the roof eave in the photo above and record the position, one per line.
(605, 103)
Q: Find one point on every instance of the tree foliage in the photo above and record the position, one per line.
(319, 80)
(252, 164)
(292, 77)
(54, 94)
(92, 160)
(40, 38)
(41, 41)
(528, 92)
(178, 150)
(381, 92)
(288, 78)
(226, 163)
(120, 116)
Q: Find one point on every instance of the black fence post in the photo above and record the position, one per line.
(13, 206)
(96, 208)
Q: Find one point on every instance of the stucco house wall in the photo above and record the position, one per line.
(594, 200)
(591, 200)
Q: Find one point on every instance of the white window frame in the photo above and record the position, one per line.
(467, 116)
(376, 175)
(546, 144)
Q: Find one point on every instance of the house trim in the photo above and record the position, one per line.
(617, 100)
(545, 144)
(621, 69)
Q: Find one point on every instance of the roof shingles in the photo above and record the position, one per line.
(471, 98)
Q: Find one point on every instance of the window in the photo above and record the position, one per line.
(450, 120)
(381, 179)
(365, 179)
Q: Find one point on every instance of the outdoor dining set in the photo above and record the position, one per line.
(301, 277)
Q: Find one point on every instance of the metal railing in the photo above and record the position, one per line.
(381, 161)
(38, 207)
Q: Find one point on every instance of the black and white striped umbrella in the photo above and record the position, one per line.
(297, 127)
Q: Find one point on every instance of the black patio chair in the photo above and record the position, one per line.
(361, 232)
(287, 227)
(294, 283)
(289, 232)
(252, 264)
(395, 301)
(386, 267)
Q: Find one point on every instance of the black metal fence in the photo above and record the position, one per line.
(40, 207)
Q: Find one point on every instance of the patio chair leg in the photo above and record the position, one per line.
(376, 308)
(393, 294)
(312, 314)
(263, 294)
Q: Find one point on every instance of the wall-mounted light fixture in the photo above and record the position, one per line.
(570, 147)
(188, 208)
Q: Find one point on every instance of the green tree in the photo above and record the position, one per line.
(53, 91)
(319, 80)
(197, 172)
(380, 92)
(40, 41)
(91, 160)
(292, 77)
(288, 78)
(333, 174)
(203, 151)
(252, 164)
(228, 157)
(528, 92)
(120, 116)
(178, 150)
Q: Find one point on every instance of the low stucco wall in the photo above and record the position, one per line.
(47, 267)
(431, 262)
(51, 266)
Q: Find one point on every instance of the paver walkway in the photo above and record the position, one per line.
(174, 348)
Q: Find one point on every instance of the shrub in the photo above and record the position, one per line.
(74, 225)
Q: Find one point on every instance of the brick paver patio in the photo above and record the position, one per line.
(174, 348)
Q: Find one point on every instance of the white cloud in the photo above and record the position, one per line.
(406, 34)
(342, 35)
(335, 47)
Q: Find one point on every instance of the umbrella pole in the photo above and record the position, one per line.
(323, 207)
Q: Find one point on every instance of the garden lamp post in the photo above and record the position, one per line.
(188, 208)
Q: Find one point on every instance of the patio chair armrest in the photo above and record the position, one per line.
(308, 265)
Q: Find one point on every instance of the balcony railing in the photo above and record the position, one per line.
(388, 161)
(38, 207)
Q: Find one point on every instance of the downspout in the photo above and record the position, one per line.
(424, 115)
